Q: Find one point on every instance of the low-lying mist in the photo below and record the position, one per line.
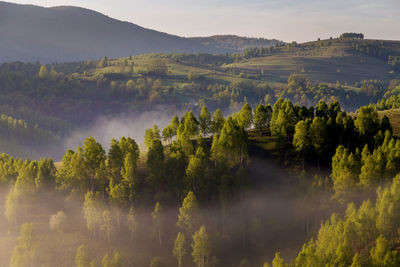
(104, 128)
(252, 224)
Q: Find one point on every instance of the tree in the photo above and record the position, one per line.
(195, 172)
(387, 204)
(46, 173)
(175, 123)
(205, 121)
(217, 122)
(179, 250)
(103, 63)
(191, 124)
(24, 253)
(155, 162)
(201, 247)
(345, 170)
(44, 72)
(382, 255)
(319, 134)
(92, 212)
(261, 117)
(370, 172)
(301, 138)
(367, 121)
(150, 135)
(356, 261)
(245, 118)
(283, 124)
(115, 261)
(106, 225)
(187, 213)
(115, 160)
(132, 222)
(94, 157)
(167, 133)
(158, 221)
(278, 261)
(81, 257)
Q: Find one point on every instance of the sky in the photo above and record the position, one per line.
(287, 20)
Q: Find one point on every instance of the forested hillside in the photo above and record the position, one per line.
(204, 188)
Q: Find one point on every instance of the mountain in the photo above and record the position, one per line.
(33, 33)
(234, 42)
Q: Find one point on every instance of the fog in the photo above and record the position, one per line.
(133, 125)
(252, 224)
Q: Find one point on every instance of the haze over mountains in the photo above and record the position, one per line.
(33, 33)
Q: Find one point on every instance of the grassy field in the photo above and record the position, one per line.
(326, 61)
(335, 60)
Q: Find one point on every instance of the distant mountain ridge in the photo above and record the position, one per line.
(33, 33)
(235, 42)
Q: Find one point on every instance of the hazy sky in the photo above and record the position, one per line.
(288, 20)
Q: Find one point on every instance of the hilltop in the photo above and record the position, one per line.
(234, 42)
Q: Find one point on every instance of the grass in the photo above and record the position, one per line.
(328, 64)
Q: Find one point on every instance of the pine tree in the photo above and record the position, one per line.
(132, 223)
(158, 222)
(319, 135)
(81, 257)
(245, 118)
(278, 261)
(301, 138)
(24, 254)
(115, 160)
(179, 250)
(201, 248)
(94, 156)
(205, 121)
(187, 218)
(92, 212)
(155, 162)
(217, 122)
(261, 118)
(191, 124)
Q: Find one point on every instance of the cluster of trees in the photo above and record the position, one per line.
(34, 178)
(352, 35)
(364, 236)
(197, 161)
(365, 169)
(314, 133)
(17, 135)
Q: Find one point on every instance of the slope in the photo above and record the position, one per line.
(344, 60)
(31, 33)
